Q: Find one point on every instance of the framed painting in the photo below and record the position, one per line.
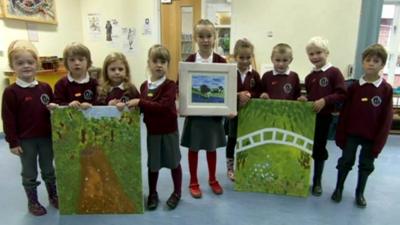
(207, 89)
(41, 11)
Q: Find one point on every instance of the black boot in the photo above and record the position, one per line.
(362, 181)
(52, 191)
(318, 169)
(35, 208)
(337, 194)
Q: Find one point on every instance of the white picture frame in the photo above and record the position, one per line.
(207, 89)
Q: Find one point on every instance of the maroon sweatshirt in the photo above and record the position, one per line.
(328, 84)
(281, 86)
(367, 113)
(122, 95)
(66, 91)
(158, 108)
(252, 83)
(25, 114)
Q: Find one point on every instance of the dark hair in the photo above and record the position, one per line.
(375, 50)
(76, 49)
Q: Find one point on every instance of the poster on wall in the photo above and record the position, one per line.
(113, 33)
(94, 27)
(147, 27)
(42, 11)
(274, 146)
(128, 36)
(98, 160)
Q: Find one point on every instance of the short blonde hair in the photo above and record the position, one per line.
(318, 42)
(243, 43)
(21, 46)
(282, 48)
(79, 49)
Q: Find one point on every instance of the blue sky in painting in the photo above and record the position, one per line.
(213, 81)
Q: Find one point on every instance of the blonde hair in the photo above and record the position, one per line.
(318, 42)
(79, 49)
(375, 50)
(159, 52)
(282, 48)
(205, 22)
(21, 46)
(243, 43)
(105, 82)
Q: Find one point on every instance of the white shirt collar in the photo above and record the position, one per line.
(324, 68)
(121, 86)
(83, 81)
(274, 72)
(199, 59)
(243, 75)
(24, 84)
(155, 84)
(376, 83)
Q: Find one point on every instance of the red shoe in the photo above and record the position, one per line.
(195, 190)
(215, 187)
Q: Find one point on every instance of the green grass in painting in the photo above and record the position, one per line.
(118, 138)
(276, 169)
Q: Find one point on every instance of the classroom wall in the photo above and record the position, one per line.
(295, 22)
(129, 13)
(52, 39)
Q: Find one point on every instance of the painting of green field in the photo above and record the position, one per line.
(98, 162)
(274, 145)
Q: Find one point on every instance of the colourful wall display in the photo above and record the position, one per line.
(274, 145)
(98, 161)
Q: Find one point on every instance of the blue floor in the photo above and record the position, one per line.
(231, 208)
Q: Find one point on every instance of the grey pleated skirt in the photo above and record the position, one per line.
(201, 132)
(163, 151)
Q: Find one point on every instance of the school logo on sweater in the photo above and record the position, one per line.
(45, 99)
(287, 88)
(252, 83)
(323, 82)
(124, 99)
(376, 101)
(88, 95)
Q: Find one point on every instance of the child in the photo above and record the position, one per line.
(281, 83)
(26, 122)
(325, 87)
(248, 86)
(116, 88)
(157, 103)
(201, 132)
(364, 120)
(76, 89)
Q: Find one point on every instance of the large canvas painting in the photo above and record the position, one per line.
(207, 89)
(274, 147)
(98, 162)
(42, 11)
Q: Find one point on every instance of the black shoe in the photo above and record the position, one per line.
(316, 190)
(337, 195)
(360, 201)
(152, 201)
(173, 200)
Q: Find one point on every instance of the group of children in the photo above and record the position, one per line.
(365, 117)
